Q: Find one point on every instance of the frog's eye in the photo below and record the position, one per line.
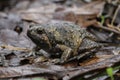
(40, 31)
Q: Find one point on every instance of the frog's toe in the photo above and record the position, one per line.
(32, 53)
(62, 61)
(56, 61)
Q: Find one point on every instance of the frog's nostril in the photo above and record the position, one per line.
(30, 26)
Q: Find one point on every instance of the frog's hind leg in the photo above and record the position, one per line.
(67, 52)
(89, 44)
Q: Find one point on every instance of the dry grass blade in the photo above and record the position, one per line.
(14, 48)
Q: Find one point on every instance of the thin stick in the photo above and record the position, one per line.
(106, 28)
(115, 15)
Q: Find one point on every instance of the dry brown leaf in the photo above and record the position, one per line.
(83, 16)
(39, 15)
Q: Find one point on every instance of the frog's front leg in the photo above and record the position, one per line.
(32, 52)
(37, 51)
(67, 52)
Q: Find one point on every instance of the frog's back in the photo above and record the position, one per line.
(65, 33)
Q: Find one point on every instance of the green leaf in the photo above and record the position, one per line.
(110, 72)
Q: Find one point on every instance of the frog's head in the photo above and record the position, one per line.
(38, 35)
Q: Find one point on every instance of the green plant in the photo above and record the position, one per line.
(102, 19)
(110, 72)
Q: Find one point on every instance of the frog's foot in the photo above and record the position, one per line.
(32, 53)
(43, 53)
(55, 61)
(67, 53)
(40, 59)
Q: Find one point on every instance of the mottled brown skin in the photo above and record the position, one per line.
(66, 36)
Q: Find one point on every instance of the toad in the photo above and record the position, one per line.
(65, 36)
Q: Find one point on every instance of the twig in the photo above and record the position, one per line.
(115, 15)
(14, 48)
(98, 25)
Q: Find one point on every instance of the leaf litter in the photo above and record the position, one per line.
(15, 45)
